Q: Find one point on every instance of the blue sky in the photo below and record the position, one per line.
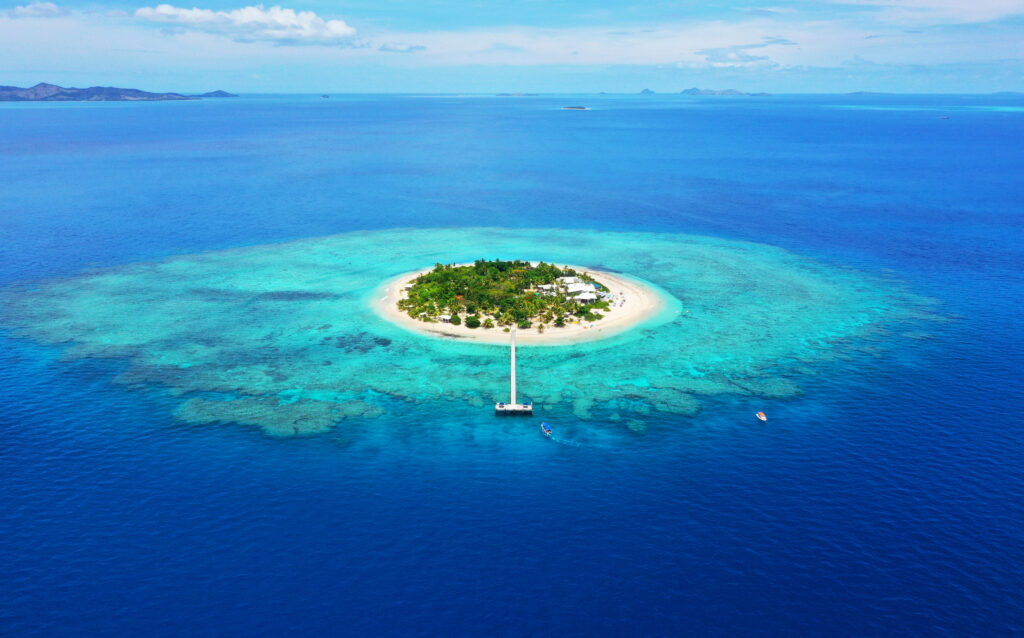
(936, 46)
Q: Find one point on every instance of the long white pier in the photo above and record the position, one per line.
(513, 408)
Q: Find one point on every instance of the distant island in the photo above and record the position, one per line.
(43, 92)
(504, 293)
(705, 92)
(726, 92)
(215, 94)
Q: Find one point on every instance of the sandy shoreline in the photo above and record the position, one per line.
(640, 303)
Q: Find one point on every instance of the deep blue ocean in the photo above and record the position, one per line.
(887, 499)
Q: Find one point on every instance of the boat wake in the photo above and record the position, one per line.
(567, 442)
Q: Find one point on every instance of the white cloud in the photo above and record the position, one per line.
(254, 23)
(737, 55)
(244, 41)
(941, 11)
(401, 48)
(768, 11)
(37, 10)
(700, 44)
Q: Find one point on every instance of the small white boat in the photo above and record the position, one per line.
(762, 416)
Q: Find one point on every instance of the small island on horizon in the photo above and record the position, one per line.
(724, 93)
(44, 92)
(694, 91)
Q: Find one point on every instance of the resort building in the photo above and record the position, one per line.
(587, 297)
(579, 288)
(565, 281)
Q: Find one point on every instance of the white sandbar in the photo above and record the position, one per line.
(633, 302)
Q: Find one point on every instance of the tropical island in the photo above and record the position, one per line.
(505, 293)
(546, 303)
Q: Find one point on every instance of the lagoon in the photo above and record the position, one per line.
(882, 496)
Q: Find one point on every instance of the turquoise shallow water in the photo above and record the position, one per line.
(884, 496)
(285, 337)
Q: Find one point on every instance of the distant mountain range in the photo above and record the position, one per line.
(696, 91)
(726, 92)
(43, 92)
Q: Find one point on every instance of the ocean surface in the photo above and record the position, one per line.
(884, 496)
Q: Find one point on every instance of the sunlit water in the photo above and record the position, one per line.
(169, 270)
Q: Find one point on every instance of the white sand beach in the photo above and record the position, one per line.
(633, 302)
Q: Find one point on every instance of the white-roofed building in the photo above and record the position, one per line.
(569, 280)
(587, 297)
(577, 288)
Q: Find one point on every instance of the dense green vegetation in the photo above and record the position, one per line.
(502, 293)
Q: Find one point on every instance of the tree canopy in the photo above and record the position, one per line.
(508, 292)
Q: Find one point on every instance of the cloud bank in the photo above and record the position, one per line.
(37, 10)
(254, 23)
(940, 11)
(940, 43)
(737, 55)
